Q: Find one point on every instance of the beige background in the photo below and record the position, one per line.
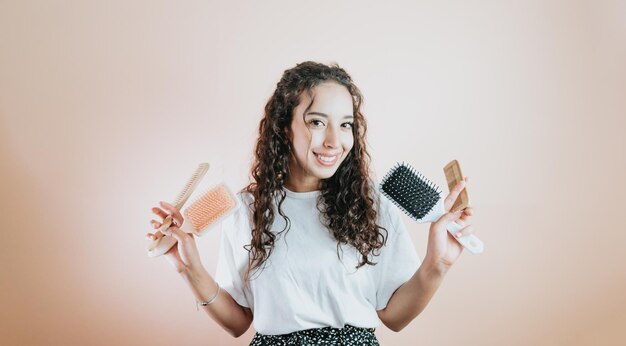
(107, 106)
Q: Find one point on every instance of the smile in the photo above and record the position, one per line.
(327, 160)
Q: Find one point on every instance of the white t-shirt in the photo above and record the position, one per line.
(304, 285)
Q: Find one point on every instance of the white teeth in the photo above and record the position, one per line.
(326, 158)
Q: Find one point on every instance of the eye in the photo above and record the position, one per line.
(347, 125)
(316, 122)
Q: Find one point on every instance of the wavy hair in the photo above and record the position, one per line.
(346, 201)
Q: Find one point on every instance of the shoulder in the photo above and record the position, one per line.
(238, 221)
(384, 206)
(244, 206)
(244, 199)
(388, 214)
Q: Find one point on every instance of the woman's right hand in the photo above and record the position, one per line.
(184, 255)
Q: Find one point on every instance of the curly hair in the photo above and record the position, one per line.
(346, 201)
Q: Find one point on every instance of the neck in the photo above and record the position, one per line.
(296, 184)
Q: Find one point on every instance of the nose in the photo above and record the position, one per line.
(332, 138)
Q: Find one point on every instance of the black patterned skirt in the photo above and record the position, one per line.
(346, 336)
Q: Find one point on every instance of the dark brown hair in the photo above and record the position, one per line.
(346, 201)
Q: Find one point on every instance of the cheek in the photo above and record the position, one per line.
(302, 142)
(315, 140)
(348, 142)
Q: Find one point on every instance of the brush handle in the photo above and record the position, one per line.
(159, 247)
(470, 242)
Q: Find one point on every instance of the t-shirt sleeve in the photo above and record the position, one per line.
(232, 262)
(398, 260)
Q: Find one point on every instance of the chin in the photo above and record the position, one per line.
(328, 173)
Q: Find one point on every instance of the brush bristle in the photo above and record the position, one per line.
(410, 191)
(209, 208)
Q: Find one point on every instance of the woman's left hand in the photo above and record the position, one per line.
(443, 250)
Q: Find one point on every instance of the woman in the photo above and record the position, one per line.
(313, 255)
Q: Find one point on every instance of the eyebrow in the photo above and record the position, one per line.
(326, 116)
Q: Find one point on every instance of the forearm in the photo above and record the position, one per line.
(412, 297)
(224, 310)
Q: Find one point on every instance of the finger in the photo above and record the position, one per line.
(155, 224)
(176, 215)
(463, 220)
(467, 230)
(449, 217)
(150, 236)
(466, 215)
(454, 194)
(179, 235)
(159, 212)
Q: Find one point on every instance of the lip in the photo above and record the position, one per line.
(325, 163)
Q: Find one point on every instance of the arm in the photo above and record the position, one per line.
(231, 316)
(224, 310)
(410, 299)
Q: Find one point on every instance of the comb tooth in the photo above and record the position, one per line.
(190, 185)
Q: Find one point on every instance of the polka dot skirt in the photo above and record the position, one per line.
(346, 336)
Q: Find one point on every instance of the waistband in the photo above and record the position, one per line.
(347, 335)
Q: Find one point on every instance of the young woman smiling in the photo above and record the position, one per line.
(314, 255)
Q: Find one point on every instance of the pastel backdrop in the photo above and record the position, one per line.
(107, 107)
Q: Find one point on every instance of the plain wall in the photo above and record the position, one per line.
(106, 107)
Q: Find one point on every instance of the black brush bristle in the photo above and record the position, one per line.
(410, 191)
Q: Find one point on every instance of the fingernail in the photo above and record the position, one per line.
(458, 234)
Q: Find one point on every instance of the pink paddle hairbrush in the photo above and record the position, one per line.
(211, 207)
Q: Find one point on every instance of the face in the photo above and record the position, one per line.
(322, 138)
